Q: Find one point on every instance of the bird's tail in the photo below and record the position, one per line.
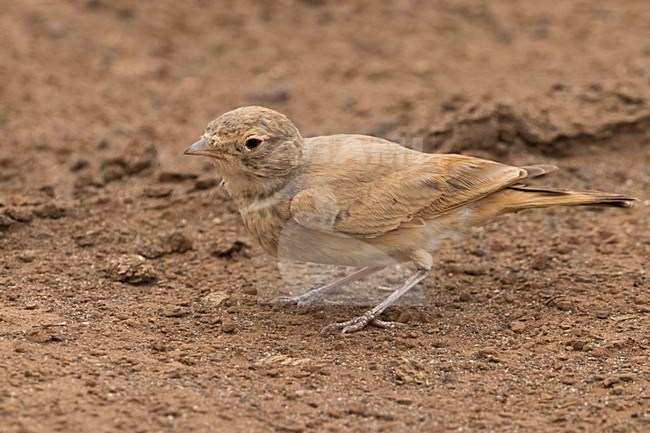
(520, 197)
(529, 197)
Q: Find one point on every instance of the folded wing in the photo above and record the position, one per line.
(412, 192)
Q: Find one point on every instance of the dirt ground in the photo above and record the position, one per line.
(540, 322)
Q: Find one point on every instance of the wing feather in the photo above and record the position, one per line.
(403, 195)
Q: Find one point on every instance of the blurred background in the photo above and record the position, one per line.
(81, 75)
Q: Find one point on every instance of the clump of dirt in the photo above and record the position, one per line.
(130, 268)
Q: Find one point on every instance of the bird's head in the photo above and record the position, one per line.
(251, 144)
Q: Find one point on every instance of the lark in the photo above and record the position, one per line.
(361, 201)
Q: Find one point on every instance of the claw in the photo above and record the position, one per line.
(370, 316)
(356, 324)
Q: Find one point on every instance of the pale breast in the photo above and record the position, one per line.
(265, 221)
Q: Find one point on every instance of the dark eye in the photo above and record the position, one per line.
(252, 143)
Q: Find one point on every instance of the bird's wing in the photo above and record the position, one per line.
(412, 192)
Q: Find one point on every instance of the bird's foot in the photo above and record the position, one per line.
(357, 324)
(304, 300)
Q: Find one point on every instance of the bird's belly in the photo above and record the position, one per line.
(297, 242)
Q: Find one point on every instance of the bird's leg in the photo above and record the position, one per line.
(316, 296)
(370, 317)
(424, 262)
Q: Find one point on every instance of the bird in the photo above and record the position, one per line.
(362, 201)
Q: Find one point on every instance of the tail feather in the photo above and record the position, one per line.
(521, 197)
(535, 196)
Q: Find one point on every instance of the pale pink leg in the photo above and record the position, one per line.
(317, 296)
(370, 317)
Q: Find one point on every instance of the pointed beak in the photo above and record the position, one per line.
(201, 147)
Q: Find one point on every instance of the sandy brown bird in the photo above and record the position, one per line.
(361, 201)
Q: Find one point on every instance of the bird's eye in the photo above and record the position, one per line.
(253, 143)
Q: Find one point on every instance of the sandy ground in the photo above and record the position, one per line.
(540, 322)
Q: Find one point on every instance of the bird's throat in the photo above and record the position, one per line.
(250, 192)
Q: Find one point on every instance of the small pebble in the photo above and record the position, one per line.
(518, 326)
(540, 262)
(228, 326)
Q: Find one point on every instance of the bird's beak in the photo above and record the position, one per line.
(201, 147)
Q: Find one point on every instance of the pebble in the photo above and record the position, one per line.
(540, 262)
(579, 345)
(176, 312)
(490, 354)
(215, 299)
(617, 378)
(21, 215)
(228, 326)
(518, 326)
